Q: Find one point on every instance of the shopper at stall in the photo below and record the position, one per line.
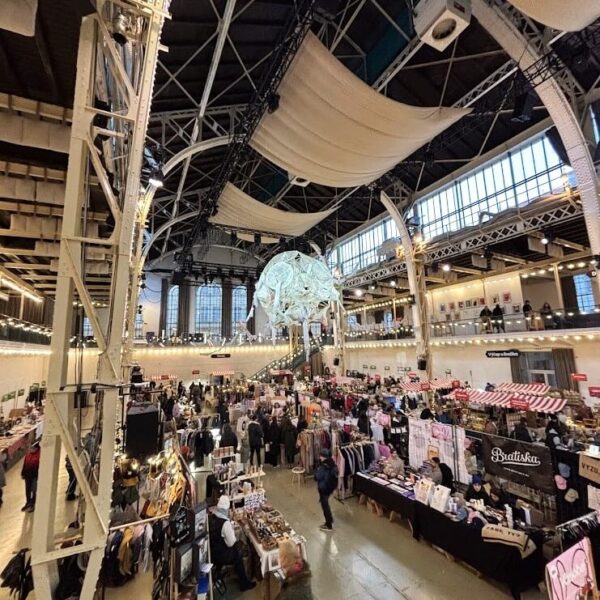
(255, 440)
(224, 548)
(476, 491)
(302, 424)
(327, 480)
(297, 583)
(498, 498)
(289, 438)
(272, 441)
(446, 477)
(228, 438)
(363, 424)
(520, 431)
(498, 318)
(223, 411)
(29, 472)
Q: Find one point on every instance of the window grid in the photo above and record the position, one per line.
(584, 292)
(172, 312)
(239, 309)
(139, 326)
(209, 309)
(87, 328)
(513, 179)
(315, 328)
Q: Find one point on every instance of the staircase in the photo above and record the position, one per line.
(291, 361)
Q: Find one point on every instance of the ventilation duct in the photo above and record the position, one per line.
(18, 16)
(25, 188)
(25, 131)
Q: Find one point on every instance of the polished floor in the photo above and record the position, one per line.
(366, 557)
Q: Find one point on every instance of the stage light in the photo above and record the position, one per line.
(446, 268)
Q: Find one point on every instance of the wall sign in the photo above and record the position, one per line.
(594, 391)
(220, 355)
(461, 395)
(571, 575)
(365, 366)
(412, 374)
(527, 464)
(387, 368)
(589, 467)
(455, 383)
(519, 403)
(578, 376)
(196, 372)
(503, 353)
(425, 387)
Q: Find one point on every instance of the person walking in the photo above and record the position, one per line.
(29, 472)
(327, 480)
(255, 441)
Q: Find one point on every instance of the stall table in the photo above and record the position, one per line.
(20, 440)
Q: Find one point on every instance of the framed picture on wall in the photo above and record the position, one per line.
(516, 308)
(442, 308)
(451, 306)
(506, 297)
(461, 305)
(495, 299)
(481, 301)
(475, 302)
(468, 304)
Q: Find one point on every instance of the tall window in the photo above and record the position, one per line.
(315, 328)
(139, 326)
(239, 308)
(209, 308)
(584, 292)
(87, 328)
(172, 311)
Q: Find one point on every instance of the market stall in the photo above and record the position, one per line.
(19, 435)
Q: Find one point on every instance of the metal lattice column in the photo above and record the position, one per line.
(129, 71)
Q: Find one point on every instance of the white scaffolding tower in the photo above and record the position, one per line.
(111, 108)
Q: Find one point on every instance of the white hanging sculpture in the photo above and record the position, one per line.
(295, 289)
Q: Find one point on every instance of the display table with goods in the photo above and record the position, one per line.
(17, 435)
(265, 529)
(487, 540)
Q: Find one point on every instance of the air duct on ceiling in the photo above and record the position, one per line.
(25, 131)
(25, 188)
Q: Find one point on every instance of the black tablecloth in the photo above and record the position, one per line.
(497, 561)
(388, 498)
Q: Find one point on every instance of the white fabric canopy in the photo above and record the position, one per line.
(560, 14)
(332, 128)
(238, 210)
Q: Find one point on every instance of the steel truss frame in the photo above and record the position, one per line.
(123, 75)
(515, 227)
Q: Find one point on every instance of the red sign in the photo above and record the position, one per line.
(196, 372)
(411, 374)
(578, 376)
(461, 395)
(455, 383)
(425, 387)
(519, 404)
(163, 377)
(594, 391)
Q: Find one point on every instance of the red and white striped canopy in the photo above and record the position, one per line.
(436, 384)
(533, 402)
(535, 389)
(222, 372)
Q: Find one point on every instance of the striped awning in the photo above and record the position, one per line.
(222, 373)
(536, 389)
(436, 384)
(162, 377)
(531, 402)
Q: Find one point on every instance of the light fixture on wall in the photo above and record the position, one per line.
(358, 293)
(446, 267)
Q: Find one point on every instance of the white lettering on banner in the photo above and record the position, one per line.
(515, 458)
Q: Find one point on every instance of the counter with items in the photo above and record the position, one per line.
(17, 439)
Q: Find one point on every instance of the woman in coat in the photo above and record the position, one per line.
(273, 438)
(289, 436)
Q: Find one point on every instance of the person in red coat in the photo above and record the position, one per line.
(29, 472)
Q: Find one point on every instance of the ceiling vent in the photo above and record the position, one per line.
(439, 22)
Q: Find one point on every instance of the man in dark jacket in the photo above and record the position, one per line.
(255, 440)
(29, 472)
(447, 477)
(520, 432)
(326, 477)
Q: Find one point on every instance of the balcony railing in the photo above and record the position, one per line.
(382, 333)
(556, 319)
(16, 330)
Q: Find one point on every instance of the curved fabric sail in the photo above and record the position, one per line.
(240, 211)
(560, 14)
(333, 129)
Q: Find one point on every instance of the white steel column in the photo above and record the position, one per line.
(415, 272)
(130, 71)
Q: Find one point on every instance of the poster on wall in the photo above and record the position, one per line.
(520, 462)
(571, 575)
(461, 305)
(495, 299)
(427, 439)
(451, 306)
(442, 308)
(481, 301)
(506, 297)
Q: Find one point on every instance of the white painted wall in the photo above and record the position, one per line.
(20, 372)
(150, 301)
(538, 291)
(587, 360)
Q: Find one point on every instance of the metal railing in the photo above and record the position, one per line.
(17, 330)
(555, 319)
(394, 333)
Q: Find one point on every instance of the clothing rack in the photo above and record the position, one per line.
(590, 518)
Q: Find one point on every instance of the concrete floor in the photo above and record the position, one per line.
(366, 557)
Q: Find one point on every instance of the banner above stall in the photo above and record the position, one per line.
(333, 129)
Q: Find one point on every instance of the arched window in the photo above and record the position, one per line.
(239, 306)
(172, 313)
(209, 308)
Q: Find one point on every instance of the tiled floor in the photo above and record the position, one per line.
(366, 557)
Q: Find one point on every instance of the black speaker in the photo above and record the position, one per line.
(422, 364)
(336, 362)
(178, 278)
(557, 143)
(142, 433)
